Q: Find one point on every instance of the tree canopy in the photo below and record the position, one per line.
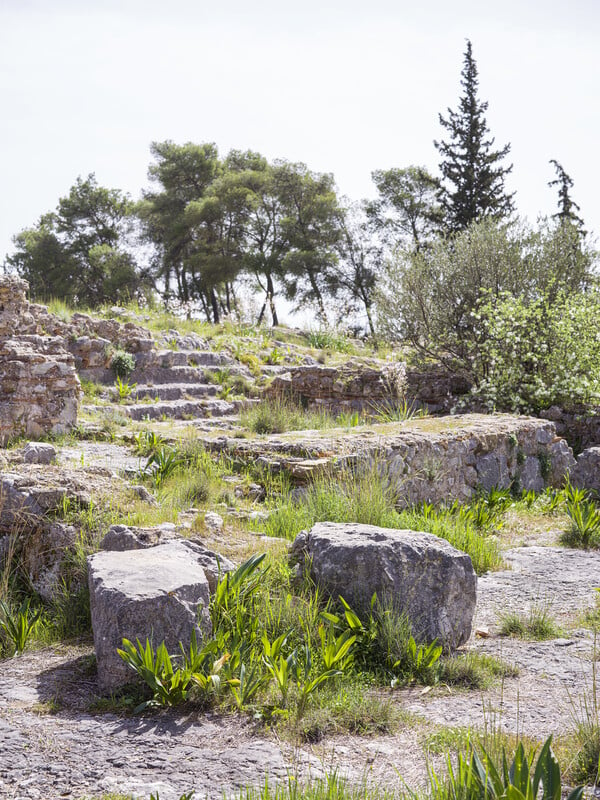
(77, 252)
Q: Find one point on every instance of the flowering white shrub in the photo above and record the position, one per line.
(527, 356)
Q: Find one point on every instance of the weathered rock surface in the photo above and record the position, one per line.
(586, 473)
(39, 388)
(160, 593)
(579, 425)
(122, 537)
(432, 459)
(32, 496)
(417, 572)
(39, 453)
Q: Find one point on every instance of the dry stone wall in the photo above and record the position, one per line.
(435, 459)
(39, 387)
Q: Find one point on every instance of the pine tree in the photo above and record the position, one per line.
(472, 183)
(567, 207)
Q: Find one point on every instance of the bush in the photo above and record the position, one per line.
(427, 297)
(527, 356)
(122, 363)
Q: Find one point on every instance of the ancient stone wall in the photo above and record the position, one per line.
(579, 426)
(434, 460)
(363, 387)
(39, 387)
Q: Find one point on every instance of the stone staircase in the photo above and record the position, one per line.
(180, 385)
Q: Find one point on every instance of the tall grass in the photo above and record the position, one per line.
(364, 496)
(278, 416)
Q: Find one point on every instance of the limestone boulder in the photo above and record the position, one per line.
(123, 537)
(160, 593)
(586, 473)
(39, 453)
(425, 576)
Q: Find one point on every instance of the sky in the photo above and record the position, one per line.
(343, 86)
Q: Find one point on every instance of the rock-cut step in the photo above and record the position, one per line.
(179, 409)
(175, 391)
(180, 374)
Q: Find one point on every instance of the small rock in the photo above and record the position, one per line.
(39, 453)
(144, 495)
(213, 521)
(563, 642)
(483, 633)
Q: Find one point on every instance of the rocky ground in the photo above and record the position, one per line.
(52, 746)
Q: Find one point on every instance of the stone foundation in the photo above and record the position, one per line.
(435, 459)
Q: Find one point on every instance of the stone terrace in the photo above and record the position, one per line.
(427, 460)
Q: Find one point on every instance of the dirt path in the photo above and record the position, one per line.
(72, 753)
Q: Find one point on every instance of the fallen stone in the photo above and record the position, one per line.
(38, 453)
(160, 593)
(418, 573)
(213, 521)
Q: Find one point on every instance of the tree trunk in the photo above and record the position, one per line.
(215, 307)
(271, 300)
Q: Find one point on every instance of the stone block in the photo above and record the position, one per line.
(418, 573)
(160, 593)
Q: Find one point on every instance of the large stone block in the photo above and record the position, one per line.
(418, 572)
(160, 593)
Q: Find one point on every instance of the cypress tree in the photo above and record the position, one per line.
(567, 207)
(472, 183)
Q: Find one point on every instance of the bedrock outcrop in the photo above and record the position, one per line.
(411, 572)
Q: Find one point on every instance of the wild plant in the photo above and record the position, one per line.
(147, 442)
(162, 463)
(168, 683)
(306, 681)
(587, 728)
(349, 419)
(284, 669)
(536, 624)
(274, 357)
(327, 339)
(585, 523)
(18, 626)
(477, 777)
(124, 388)
(248, 683)
(420, 662)
(400, 411)
(122, 363)
(336, 651)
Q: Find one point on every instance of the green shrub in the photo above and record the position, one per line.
(430, 297)
(122, 363)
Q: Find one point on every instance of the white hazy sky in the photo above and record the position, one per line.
(346, 86)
